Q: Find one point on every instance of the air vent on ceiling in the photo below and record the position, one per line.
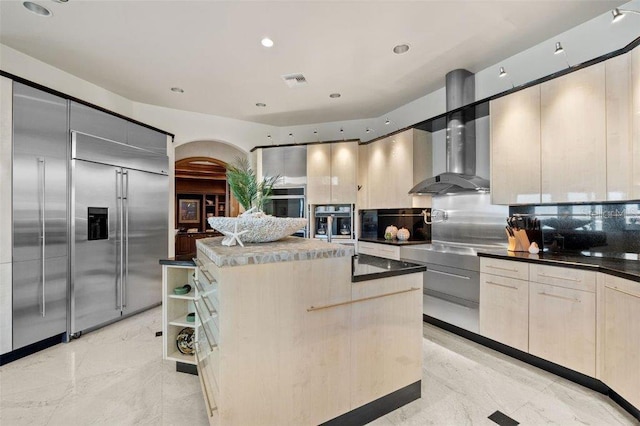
(294, 80)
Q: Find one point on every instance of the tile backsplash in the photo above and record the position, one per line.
(596, 228)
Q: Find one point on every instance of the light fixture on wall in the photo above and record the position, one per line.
(560, 51)
(502, 74)
(618, 14)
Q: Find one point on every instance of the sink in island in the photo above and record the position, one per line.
(300, 331)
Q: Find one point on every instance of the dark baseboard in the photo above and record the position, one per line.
(32, 348)
(543, 364)
(183, 367)
(378, 408)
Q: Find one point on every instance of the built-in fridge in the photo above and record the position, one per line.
(39, 215)
(119, 217)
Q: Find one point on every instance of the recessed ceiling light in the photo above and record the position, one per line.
(502, 72)
(177, 90)
(400, 49)
(559, 48)
(334, 95)
(36, 8)
(60, 1)
(261, 104)
(267, 42)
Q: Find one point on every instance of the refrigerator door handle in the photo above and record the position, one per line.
(118, 239)
(42, 190)
(125, 236)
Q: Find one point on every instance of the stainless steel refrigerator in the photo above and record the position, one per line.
(40, 215)
(119, 220)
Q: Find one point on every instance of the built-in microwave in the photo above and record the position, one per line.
(288, 202)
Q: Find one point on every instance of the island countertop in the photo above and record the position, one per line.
(284, 250)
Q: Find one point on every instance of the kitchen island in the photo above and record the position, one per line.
(298, 332)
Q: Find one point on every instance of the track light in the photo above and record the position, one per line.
(559, 48)
(619, 14)
(502, 72)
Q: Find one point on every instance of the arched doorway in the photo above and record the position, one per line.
(201, 191)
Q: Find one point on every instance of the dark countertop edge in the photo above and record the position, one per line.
(378, 275)
(172, 261)
(394, 242)
(566, 264)
(400, 268)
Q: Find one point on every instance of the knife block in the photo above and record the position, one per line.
(519, 241)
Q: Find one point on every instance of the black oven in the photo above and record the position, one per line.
(287, 202)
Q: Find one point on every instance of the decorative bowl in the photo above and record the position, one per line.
(261, 229)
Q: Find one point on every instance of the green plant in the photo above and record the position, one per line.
(244, 184)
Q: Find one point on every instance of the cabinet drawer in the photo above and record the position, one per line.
(629, 287)
(380, 250)
(505, 268)
(577, 279)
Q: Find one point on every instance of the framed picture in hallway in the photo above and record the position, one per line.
(189, 211)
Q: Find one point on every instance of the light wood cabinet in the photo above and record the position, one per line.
(515, 148)
(380, 250)
(384, 355)
(620, 331)
(504, 309)
(635, 85)
(332, 173)
(573, 137)
(562, 326)
(390, 170)
(619, 158)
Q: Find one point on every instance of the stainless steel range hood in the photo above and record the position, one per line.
(461, 143)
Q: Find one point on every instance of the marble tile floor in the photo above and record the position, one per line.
(116, 376)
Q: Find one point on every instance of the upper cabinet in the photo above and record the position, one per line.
(515, 148)
(98, 123)
(332, 172)
(573, 137)
(287, 162)
(395, 164)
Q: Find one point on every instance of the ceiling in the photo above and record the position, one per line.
(212, 50)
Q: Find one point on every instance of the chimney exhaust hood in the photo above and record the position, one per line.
(461, 143)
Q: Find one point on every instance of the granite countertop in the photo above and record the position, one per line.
(180, 260)
(284, 250)
(623, 268)
(366, 268)
(394, 242)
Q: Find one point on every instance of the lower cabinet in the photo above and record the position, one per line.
(504, 310)
(384, 357)
(620, 330)
(562, 326)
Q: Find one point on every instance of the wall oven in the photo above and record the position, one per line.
(288, 202)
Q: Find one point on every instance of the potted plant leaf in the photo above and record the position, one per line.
(244, 185)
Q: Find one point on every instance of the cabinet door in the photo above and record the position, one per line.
(386, 348)
(574, 137)
(515, 148)
(362, 200)
(94, 122)
(344, 161)
(635, 83)
(562, 326)
(504, 310)
(621, 322)
(145, 138)
(182, 244)
(318, 174)
(391, 171)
